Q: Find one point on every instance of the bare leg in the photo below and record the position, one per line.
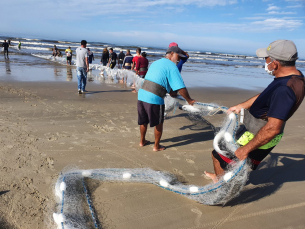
(158, 134)
(218, 170)
(143, 129)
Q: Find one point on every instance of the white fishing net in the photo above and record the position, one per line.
(75, 209)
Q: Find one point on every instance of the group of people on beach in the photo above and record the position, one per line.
(6, 45)
(267, 112)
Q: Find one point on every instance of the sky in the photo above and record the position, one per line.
(235, 26)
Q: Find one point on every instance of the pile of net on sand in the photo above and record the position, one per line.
(72, 193)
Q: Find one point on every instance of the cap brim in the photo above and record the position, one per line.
(262, 52)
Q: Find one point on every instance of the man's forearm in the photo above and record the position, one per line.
(184, 93)
(265, 135)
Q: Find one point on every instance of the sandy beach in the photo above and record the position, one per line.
(46, 127)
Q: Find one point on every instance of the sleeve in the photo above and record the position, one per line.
(175, 80)
(138, 64)
(281, 103)
(181, 62)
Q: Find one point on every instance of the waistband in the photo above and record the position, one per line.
(154, 88)
(143, 69)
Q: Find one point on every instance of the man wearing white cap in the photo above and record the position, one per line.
(268, 111)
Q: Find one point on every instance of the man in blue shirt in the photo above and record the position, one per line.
(162, 77)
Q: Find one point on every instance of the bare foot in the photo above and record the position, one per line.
(143, 144)
(159, 149)
(134, 91)
(211, 176)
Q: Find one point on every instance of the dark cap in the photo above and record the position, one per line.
(175, 49)
(83, 42)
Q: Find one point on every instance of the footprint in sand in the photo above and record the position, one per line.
(190, 161)
(199, 213)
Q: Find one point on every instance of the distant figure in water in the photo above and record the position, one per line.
(69, 55)
(55, 51)
(112, 59)
(121, 59)
(142, 65)
(105, 57)
(19, 45)
(91, 56)
(127, 60)
(5, 46)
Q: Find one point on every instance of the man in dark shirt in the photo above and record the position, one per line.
(5, 46)
(121, 59)
(112, 59)
(276, 104)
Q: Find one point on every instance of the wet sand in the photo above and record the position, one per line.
(47, 127)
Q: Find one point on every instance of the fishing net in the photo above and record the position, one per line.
(75, 208)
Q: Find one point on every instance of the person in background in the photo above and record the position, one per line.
(19, 45)
(127, 60)
(121, 59)
(135, 59)
(69, 55)
(5, 46)
(162, 77)
(105, 57)
(142, 65)
(91, 56)
(183, 59)
(112, 59)
(55, 51)
(82, 66)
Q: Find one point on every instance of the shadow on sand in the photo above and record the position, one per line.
(271, 177)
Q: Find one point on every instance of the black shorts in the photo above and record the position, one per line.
(150, 113)
(69, 58)
(255, 157)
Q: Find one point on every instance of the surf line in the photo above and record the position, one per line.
(71, 190)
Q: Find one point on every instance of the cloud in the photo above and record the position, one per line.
(278, 13)
(278, 24)
(295, 6)
(272, 7)
(85, 9)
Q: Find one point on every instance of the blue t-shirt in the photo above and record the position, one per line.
(165, 73)
(276, 101)
(181, 62)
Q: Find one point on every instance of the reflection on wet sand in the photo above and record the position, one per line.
(7, 66)
(69, 73)
(57, 72)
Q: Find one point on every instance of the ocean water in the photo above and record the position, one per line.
(203, 68)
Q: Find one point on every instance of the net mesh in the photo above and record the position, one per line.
(74, 208)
